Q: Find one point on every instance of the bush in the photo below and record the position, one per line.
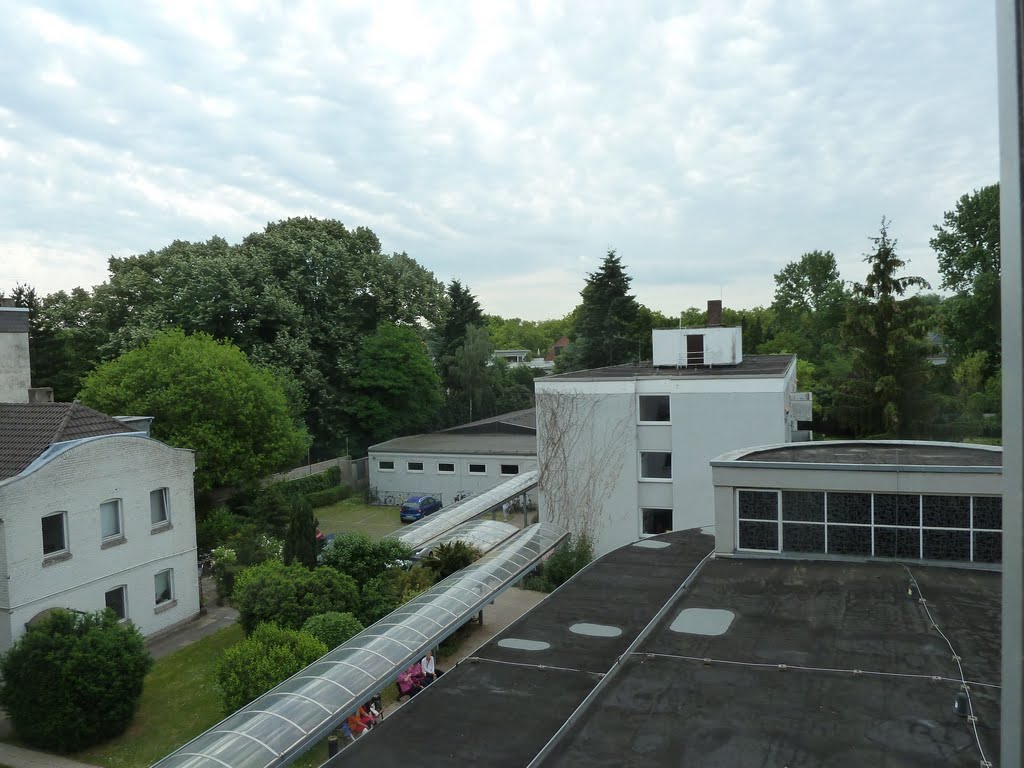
(225, 568)
(73, 680)
(332, 629)
(252, 546)
(450, 557)
(289, 594)
(216, 528)
(329, 495)
(393, 588)
(266, 658)
(331, 478)
(300, 544)
(566, 561)
(362, 558)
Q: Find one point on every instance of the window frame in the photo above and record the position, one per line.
(639, 410)
(777, 520)
(165, 496)
(503, 473)
(477, 472)
(158, 603)
(65, 535)
(382, 462)
(123, 589)
(671, 520)
(120, 521)
(640, 468)
(446, 464)
(409, 467)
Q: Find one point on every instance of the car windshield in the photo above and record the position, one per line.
(412, 504)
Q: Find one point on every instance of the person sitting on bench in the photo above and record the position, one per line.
(410, 682)
(430, 670)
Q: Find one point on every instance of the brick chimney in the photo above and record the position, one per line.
(714, 313)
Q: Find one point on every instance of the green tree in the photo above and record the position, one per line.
(391, 589)
(333, 628)
(203, 395)
(73, 680)
(967, 247)
(886, 393)
(300, 544)
(461, 310)
(470, 370)
(268, 657)
(606, 325)
(363, 558)
(450, 557)
(395, 390)
(289, 594)
(810, 303)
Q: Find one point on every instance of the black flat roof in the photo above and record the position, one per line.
(752, 365)
(864, 678)
(907, 453)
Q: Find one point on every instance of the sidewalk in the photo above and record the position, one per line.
(19, 757)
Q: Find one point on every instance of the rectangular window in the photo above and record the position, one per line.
(758, 520)
(110, 519)
(414, 466)
(163, 584)
(386, 466)
(988, 512)
(850, 508)
(655, 409)
(158, 507)
(477, 469)
(804, 506)
(116, 601)
(945, 512)
(55, 533)
(803, 537)
(445, 468)
(510, 469)
(655, 521)
(655, 465)
(758, 505)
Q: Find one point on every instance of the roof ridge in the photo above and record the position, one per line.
(63, 423)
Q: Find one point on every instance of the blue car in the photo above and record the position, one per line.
(416, 507)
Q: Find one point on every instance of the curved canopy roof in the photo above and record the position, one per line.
(280, 725)
(485, 535)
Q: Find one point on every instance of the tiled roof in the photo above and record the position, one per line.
(28, 429)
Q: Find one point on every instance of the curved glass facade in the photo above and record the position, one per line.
(282, 723)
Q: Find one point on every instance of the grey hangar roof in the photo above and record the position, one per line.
(751, 366)
(802, 662)
(498, 444)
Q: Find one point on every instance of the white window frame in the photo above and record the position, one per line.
(640, 468)
(503, 473)
(667, 423)
(672, 520)
(165, 496)
(382, 462)
(470, 466)
(64, 525)
(410, 470)
(120, 521)
(170, 583)
(123, 589)
(446, 471)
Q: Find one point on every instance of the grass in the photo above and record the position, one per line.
(179, 701)
(353, 515)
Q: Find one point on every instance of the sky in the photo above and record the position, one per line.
(506, 144)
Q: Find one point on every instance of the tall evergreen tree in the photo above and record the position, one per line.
(884, 332)
(462, 310)
(607, 320)
(300, 544)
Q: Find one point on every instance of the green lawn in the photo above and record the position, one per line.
(179, 701)
(353, 515)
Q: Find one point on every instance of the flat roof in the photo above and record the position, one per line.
(475, 444)
(752, 366)
(906, 452)
(768, 662)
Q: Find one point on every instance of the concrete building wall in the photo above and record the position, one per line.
(77, 481)
(401, 481)
(15, 376)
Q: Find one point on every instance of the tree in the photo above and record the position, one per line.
(333, 628)
(363, 558)
(203, 395)
(269, 656)
(300, 544)
(390, 590)
(395, 390)
(810, 303)
(73, 680)
(885, 335)
(967, 247)
(287, 595)
(607, 319)
(470, 372)
(462, 310)
(450, 557)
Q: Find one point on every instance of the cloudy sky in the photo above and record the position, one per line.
(508, 144)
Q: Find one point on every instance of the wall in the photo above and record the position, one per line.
(401, 483)
(722, 345)
(15, 377)
(77, 481)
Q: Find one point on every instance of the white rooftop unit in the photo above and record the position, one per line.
(697, 347)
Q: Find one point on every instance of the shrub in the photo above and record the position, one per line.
(289, 594)
(450, 557)
(393, 588)
(225, 568)
(566, 561)
(300, 544)
(267, 657)
(253, 546)
(362, 558)
(311, 483)
(215, 528)
(73, 680)
(329, 495)
(333, 628)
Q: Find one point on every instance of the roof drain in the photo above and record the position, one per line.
(616, 666)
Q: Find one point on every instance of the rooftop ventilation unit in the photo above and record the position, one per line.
(709, 346)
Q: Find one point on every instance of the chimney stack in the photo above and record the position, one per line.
(714, 313)
(15, 378)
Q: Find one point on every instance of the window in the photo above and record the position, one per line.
(110, 519)
(414, 466)
(55, 533)
(477, 469)
(758, 520)
(445, 468)
(116, 601)
(655, 408)
(510, 469)
(163, 584)
(158, 506)
(386, 466)
(655, 465)
(655, 521)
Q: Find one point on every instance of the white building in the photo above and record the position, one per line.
(93, 512)
(625, 451)
(461, 460)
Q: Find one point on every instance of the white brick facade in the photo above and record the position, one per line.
(76, 481)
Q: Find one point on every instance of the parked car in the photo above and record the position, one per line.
(416, 507)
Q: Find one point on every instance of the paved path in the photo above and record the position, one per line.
(19, 757)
